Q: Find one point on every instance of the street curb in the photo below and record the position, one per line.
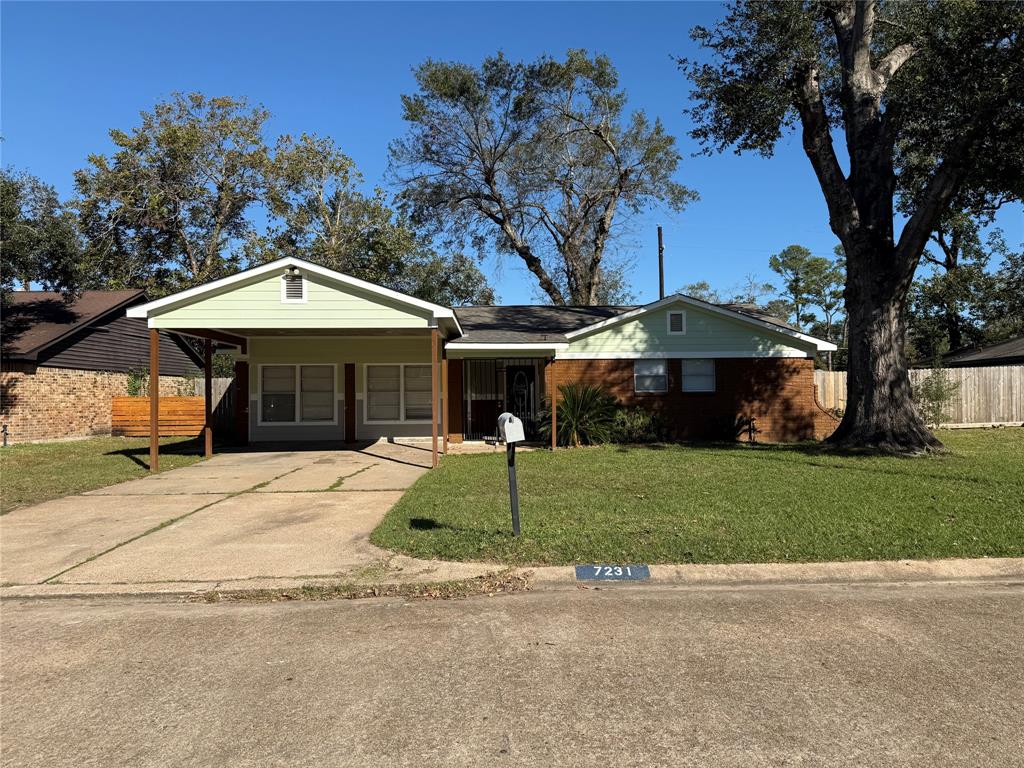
(854, 573)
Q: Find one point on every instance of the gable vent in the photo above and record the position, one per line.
(677, 322)
(293, 288)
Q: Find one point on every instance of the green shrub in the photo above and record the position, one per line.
(934, 394)
(635, 425)
(586, 415)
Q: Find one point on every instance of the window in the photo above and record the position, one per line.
(293, 289)
(676, 323)
(297, 394)
(417, 392)
(383, 392)
(650, 376)
(317, 399)
(396, 393)
(698, 375)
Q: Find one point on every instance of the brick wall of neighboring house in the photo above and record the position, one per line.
(54, 403)
(778, 393)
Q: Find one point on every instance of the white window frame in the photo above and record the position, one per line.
(401, 394)
(298, 396)
(304, 282)
(714, 376)
(668, 322)
(638, 391)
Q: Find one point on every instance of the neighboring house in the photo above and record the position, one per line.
(325, 356)
(1004, 353)
(63, 362)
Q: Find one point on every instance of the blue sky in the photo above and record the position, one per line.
(70, 72)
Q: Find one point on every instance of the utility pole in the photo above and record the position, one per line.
(661, 264)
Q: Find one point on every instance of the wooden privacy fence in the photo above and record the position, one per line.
(223, 402)
(990, 395)
(179, 416)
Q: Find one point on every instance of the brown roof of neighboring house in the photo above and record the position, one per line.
(1009, 352)
(33, 320)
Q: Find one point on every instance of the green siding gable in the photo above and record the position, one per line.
(258, 305)
(708, 334)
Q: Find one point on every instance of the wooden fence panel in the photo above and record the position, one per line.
(989, 395)
(179, 416)
(223, 403)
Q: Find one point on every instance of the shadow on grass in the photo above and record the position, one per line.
(421, 524)
(788, 453)
(182, 448)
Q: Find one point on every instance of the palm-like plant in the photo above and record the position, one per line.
(586, 415)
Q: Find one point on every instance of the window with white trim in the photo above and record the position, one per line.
(398, 392)
(650, 375)
(676, 323)
(297, 394)
(293, 288)
(698, 375)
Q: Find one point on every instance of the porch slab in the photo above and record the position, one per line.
(252, 536)
(41, 541)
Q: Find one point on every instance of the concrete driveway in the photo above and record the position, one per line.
(245, 515)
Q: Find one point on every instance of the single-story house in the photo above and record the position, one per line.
(62, 362)
(1010, 352)
(328, 357)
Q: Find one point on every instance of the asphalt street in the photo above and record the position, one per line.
(624, 676)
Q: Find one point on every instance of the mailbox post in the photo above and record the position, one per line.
(510, 432)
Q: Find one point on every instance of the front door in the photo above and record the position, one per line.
(521, 395)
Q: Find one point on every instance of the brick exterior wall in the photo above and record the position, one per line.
(56, 403)
(778, 393)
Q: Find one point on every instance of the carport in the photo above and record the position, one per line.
(319, 356)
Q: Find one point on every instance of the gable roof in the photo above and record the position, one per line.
(35, 320)
(1007, 352)
(195, 294)
(728, 310)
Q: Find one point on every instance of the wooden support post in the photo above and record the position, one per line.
(434, 373)
(553, 388)
(444, 398)
(154, 400)
(208, 395)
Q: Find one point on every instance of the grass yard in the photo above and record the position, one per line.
(720, 504)
(37, 472)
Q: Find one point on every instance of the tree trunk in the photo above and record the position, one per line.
(880, 413)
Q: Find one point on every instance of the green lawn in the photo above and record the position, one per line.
(720, 504)
(36, 472)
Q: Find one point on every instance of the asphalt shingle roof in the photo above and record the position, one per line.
(525, 323)
(35, 319)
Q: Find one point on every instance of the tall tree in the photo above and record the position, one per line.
(948, 303)
(804, 278)
(39, 239)
(939, 85)
(168, 209)
(319, 214)
(538, 160)
(1004, 316)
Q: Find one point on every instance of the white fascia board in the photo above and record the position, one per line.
(553, 346)
(143, 310)
(820, 344)
(696, 355)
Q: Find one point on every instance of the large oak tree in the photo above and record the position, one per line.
(874, 88)
(538, 160)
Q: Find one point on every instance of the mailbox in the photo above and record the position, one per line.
(510, 429)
